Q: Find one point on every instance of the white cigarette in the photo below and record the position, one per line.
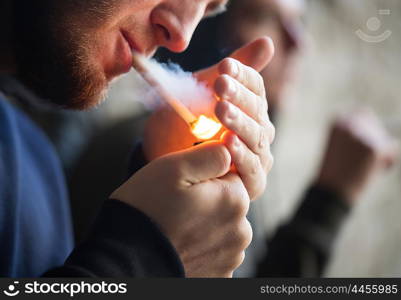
(139, 63)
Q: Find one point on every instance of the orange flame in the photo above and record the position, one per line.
(205, 128)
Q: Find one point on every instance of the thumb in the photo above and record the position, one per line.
(209, 160)
(256, 54)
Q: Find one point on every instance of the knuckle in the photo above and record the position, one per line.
(241, 125)
(235, 250)
(261, 111)
(269, 162)
(262, 141)
(267, 134)
(255, 180)
(254, 166)
(229, 86)
(261, 186)
(259, 78)
(227, 66)
(236, 201)
(242, 206)
(272, 131)
(244, 234)
(238, 259)
(222, 84)
(233, 261)
(258, 186)
(246, 126)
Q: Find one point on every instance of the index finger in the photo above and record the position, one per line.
(248, 76)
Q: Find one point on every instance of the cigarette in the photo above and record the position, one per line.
(138, 62)
(203, 128)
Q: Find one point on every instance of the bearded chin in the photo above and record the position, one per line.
(87, 87)
(53, 64)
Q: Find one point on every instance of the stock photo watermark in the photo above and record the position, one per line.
(374, 25)
(12, 290)
(70, 289)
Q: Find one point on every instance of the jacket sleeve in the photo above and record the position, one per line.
(301, 248)
(123, 242)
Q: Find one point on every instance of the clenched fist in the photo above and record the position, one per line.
(199, 204)
(359, 148)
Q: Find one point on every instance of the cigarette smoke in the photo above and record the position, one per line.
(180, 84)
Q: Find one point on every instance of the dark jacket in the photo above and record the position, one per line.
(35, 222)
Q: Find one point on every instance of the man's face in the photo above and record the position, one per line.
(279, 19)
(69, 50)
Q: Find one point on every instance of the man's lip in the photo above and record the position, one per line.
(131, 42)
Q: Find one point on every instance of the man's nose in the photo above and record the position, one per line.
(174, 26)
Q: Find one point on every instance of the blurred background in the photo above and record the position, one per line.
(339, 70)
